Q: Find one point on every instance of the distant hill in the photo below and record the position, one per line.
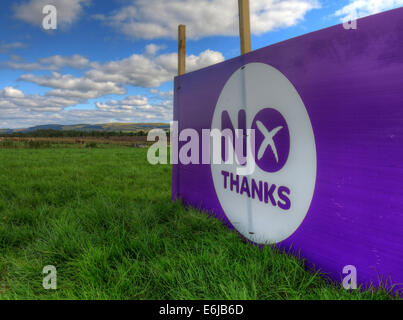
(116, 127)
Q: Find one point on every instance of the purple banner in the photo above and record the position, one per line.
(327, 109)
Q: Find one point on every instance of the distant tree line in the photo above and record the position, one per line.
(72, 133)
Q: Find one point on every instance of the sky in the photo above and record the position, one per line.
(115, 60)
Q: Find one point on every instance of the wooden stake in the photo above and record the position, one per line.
(181, 49)
(244, 26)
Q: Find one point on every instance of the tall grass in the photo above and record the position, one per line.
(104, 218)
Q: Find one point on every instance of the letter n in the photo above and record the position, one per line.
(238, 133)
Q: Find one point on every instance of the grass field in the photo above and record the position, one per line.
(104, 218)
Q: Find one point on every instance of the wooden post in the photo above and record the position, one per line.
(181, 49)
(244, 26)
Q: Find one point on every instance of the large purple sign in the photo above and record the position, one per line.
(327, 178)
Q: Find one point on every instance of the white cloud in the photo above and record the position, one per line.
(162, 94)
(361, 8)
(129, 102)
(10, 92)
(135, 107)
(151, 19)
(152, 49)
(137, 70)
(148, 70)
(69, 86)
(68, 11)
(6, 47)
(206, 58)
(56, 62)
(22, 110)
(140, 70)
(15, 100)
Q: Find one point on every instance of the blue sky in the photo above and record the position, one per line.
(114, 61)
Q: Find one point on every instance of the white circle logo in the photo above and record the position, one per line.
(270, 204)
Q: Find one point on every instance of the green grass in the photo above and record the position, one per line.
(104, 218)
